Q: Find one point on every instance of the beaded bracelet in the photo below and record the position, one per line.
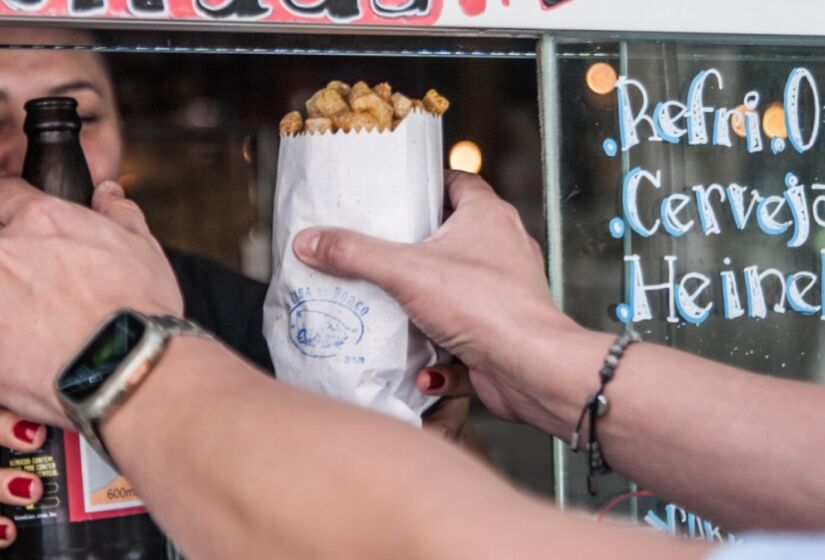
(596, 406)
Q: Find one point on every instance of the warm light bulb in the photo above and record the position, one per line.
(129, 181)
(601, 78)
(248, 149)
(466, 156)
(773, 123)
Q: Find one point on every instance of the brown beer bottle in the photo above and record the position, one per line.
(88, 511)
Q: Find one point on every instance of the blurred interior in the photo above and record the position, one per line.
(200, 115)
(201, 131)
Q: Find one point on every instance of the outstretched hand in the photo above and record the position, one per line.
(63, 269)
(476, 287)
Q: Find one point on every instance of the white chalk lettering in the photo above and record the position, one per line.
(671, 207)
(630, 194)
(628, 120)
(639, 303)
(686, 300)
(766, 213)
(736, 199)
(792, 94)
(696, 125)
(756, 294)
(707, 216)
(731, 302)
(796, 294)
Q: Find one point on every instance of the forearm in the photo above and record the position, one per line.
(241, 466)
(244, 467)
(736, 447)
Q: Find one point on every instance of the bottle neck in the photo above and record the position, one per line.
(53, 136)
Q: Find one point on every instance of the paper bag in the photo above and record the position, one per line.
(347, 338)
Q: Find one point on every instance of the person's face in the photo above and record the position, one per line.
(26, 74)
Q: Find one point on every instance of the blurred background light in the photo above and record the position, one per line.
(601, 78)
(466, 156)
(773, 123)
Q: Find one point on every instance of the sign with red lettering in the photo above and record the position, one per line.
(752, 17)
(369, 12)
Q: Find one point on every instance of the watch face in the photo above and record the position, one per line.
(101, 357)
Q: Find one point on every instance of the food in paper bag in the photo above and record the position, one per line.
(366, 159)
(340, 106)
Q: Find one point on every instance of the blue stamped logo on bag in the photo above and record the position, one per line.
(323, 325)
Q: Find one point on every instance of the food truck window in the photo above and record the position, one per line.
(691, 194)
(208, 110)
(200, 115)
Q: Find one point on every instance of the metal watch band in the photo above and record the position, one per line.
(170, 326)
(178, 326)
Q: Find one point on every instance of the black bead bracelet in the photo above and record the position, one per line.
(596, 407)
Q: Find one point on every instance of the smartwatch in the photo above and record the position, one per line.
(110, 366)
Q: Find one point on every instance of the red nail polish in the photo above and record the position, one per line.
(4, 532)
(21, 487)
(25, 430)
(435, 380)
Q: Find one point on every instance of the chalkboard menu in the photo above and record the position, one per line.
(693, 211)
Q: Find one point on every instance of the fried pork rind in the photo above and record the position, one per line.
(342, 88)
(383, 90)
(318, 125)
(401, 105)
(325, 103)
(358, 89)
(292, 123)
(436, 103)
(340, 106)
(349, 121)
(371, 103)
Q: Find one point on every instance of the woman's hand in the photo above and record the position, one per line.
(17, 487)
(476, 287)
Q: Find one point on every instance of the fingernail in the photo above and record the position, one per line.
(435, 380)
(307, 243)
(21, 487)
(25, 431)
(4, 532)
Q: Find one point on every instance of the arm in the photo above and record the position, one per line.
(275, 472)
(736, 447)
(687, 428)
(230, 462)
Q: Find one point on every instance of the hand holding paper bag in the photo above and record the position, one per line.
(476, 287)
(348, 338)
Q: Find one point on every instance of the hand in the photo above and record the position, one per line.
(17, 487)
(476, 287)
(63, 269)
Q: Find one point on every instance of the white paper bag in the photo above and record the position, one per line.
(347, 338)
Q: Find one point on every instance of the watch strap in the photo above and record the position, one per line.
(170, 326)
(95, 439)
(178, 326)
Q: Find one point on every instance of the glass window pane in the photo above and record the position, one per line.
(689, 197)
